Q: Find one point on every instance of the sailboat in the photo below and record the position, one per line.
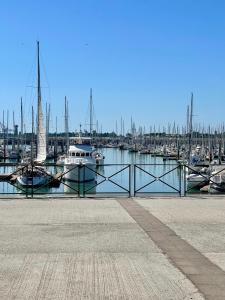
(35, 174)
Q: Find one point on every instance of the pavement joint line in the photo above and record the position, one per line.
(207, 277)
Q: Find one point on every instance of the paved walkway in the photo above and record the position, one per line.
(112, 249)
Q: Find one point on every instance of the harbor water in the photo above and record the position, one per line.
(123, 171)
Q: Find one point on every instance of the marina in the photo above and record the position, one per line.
(125, 172)
(190, 159)
(112, 150)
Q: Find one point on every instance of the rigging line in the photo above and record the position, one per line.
(46, 76)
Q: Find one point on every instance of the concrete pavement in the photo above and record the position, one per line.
(112, 248)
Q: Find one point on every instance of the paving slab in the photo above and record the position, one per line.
(92, 276)
(83, 249)
(199, 221)
(179, 246)
(61, 211)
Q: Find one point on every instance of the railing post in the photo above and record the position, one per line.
(180, 180)
(79, 167)
(32, 188)
(185, 179)
(130, 180)
(83, 184)
(134, 180)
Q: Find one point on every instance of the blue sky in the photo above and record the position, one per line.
(141, 58)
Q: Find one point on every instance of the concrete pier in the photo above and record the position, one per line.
(158, 248)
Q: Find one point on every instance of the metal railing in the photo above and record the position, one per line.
(109, 180)
(156, 174)
(60, 183)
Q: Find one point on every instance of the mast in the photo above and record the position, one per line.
(56, 139)
(97, 126)
(13, 140)
(190, 129)
(7, 128)
(4, 146)
(32, 136)
(66, 124)
(188, 120)
(21, 116)
(41, 133)
(91, 113)
(21, 126)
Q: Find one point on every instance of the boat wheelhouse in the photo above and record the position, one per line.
(80, 165)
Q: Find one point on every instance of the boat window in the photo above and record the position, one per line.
(73, 154)
(82, 154)
(87, 154)
(77, 154)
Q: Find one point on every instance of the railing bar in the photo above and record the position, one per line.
(118, 185)
(145, 185)
(172, 187)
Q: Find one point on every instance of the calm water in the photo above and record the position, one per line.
(116, 178)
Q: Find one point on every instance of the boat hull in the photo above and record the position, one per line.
(79, 173)
(196, 181)
(32, 181)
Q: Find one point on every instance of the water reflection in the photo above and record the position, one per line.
(70, 187)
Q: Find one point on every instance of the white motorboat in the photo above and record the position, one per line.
(80, 165)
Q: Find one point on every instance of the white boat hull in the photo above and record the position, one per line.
(196, 180)
(79, 173)
(32, 181)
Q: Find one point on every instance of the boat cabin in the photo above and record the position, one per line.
(78, 151)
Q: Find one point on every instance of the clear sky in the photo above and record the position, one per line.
(142, 58)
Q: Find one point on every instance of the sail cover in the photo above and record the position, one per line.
(41, 135)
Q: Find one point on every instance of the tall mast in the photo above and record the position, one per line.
(190, 128)
(32, 136)
(13, 140)
(97, 126)
(39, 77)
(21, 115)
(7, 126)
(4, 134)
(41, 133)
(66, 124)
(188, 120)
(91, 112)
(38, 93)
(191, 115)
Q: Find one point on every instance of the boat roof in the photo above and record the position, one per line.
(80, 148)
